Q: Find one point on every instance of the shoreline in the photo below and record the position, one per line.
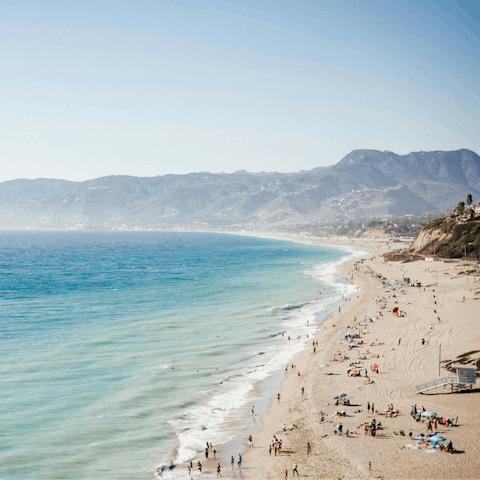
(351, 252)
(331, 455)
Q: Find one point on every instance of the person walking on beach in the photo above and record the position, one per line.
(278, 397)
(239, 461)
(368, 407)
(286, 473)
(295, 471)
(308, 448)
(232, 461)
(218, 470)
(399, 340)
(303, 390)
(199, 467)
(269, 449)
(253, 411)
(214, 453)
(206, 454)
(373, 409)
(250, 441)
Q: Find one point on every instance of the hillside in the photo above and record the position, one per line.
(449, 238)
(404, 226)
(363, 185)
(22, 189)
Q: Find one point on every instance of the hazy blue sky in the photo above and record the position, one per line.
(93, 88)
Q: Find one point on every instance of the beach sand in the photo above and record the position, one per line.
(401, 367)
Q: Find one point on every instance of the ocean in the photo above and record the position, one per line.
(122, 352)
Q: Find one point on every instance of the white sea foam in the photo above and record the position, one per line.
(213, 421)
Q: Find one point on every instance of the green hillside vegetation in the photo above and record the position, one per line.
(462, 238)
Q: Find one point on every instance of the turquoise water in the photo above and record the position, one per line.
(91, 325)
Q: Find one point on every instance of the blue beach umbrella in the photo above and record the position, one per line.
(340, 395)
(437, 438)
(340, 333)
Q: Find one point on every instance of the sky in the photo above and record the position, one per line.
(145, 88)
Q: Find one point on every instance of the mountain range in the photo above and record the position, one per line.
(363, 185)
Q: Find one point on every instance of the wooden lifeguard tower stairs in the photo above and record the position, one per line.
(464, 378)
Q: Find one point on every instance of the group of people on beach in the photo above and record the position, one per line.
(276, 446)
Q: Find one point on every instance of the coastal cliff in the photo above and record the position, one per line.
(449, 237)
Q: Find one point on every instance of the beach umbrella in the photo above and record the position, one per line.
(405, 299)
(340, 333)
(437, 438)
(387, 291)
(349, 341)
(351, 332)
(340, 395)
(429, 414)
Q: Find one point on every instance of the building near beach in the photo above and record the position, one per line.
(431, 258)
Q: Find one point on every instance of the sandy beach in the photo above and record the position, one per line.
(401, 368)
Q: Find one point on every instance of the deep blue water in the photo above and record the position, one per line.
(91, 324)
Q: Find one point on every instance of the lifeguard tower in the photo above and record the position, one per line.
(465, 377)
